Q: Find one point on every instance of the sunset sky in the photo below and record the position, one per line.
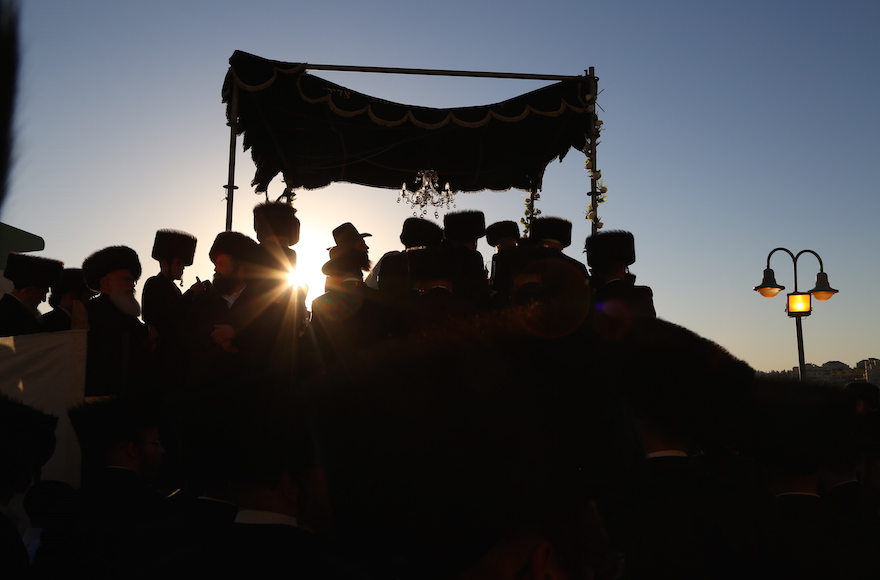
(730, 129)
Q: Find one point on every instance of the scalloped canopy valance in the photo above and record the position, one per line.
(315, 132)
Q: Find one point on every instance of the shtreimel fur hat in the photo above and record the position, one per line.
(170, 244)
(419, 232)
(237, 245)
(107, 260)
(551, 228)
(464, 226)
(611, 246)
(277, 219)
(501, 230)
(25, 270)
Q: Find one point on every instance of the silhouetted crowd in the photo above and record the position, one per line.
(426, 417)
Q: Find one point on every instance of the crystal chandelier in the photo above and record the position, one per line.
(427, 194)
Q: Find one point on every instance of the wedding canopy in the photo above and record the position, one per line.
(315, 132)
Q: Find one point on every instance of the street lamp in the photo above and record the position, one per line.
(799, 303)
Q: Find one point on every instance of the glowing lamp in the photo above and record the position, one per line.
(799, 304)
(769, 288)
(823, 290)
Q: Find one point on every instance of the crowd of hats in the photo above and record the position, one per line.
(441, 445)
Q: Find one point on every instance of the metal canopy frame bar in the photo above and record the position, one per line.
(441, 72)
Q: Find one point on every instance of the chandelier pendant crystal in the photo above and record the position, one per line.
(428, 194)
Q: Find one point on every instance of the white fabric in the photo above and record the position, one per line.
(47, 371)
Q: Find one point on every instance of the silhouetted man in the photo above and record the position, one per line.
(610, 254)
(461, 231)
(119, 345)
(68, 300)
(27, 441)
(278, 487)
(166, 309)
(350, 314)
(234, 325)
(122, 454)
(31, 276)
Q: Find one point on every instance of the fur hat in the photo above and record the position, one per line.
(107, 260)
(277, 219)
(464, 226)
(611, 246)
(419, 232)
(170, 244)
(71, 280)
(551, 228)
(348, 235)
(237, 245)
(500, 230)
(25, 270)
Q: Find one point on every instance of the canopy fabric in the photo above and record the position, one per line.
(315, 132)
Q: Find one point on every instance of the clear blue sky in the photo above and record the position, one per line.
(730, 129)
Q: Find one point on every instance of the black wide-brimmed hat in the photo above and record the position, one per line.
(107, 260)
(170, 244)
(348, 235)
(277, 219)
(25, 270)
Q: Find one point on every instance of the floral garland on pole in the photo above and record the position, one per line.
(530, 212)
(598, 195)
(598, 190)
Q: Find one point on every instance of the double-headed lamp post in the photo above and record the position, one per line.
(798, 304)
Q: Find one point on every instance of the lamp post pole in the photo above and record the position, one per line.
(799, 303)
(799, 330)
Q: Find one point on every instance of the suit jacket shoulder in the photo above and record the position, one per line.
(15, 318)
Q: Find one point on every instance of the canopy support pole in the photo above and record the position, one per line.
(233, 138)
(595, 174)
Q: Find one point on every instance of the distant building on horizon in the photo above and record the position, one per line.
(834, 372)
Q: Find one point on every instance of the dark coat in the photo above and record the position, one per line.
(16, 319)
(468, 272)
(622, 297)
(167, 310)
(817, 543)
(259, 551)
(13, 554)
(115, 504)
(681, 522)
(347, 319)
(57, 320)
(255, 320)
(118, 359)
